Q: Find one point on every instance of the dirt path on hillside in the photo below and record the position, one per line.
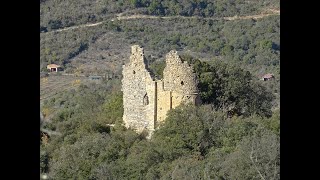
(76, 27)
(139, 16)
(120, 17)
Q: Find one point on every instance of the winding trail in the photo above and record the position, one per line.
(140, 16)
(80, 26)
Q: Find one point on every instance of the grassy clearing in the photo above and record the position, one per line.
(52, 85)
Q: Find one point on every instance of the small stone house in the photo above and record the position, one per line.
(267, 77)
(53, 67)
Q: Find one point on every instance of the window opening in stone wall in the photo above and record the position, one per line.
(134, 72)
(182, 83)
(145, 100)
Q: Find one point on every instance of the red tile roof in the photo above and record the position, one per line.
(268, 76)
(52, 66)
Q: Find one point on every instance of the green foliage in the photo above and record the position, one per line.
(55, 24)
(255, 157)
(188, 129)
(68, 165)
(44, 160)
(266, 44)
(55, 14)
(157, 68)
(112, 109)
(273, 123)
(193, 143)
(135, 3)
(231, 88)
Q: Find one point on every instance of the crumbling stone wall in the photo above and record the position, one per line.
(164, 100)
(180, 79)
(146, 101)
(138, 92)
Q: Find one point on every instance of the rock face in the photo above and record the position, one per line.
(146, 101)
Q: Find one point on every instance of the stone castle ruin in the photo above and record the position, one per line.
(147, 100)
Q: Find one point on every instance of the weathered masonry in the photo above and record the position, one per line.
(146, 100)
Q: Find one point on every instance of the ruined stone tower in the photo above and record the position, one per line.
(146, 101)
